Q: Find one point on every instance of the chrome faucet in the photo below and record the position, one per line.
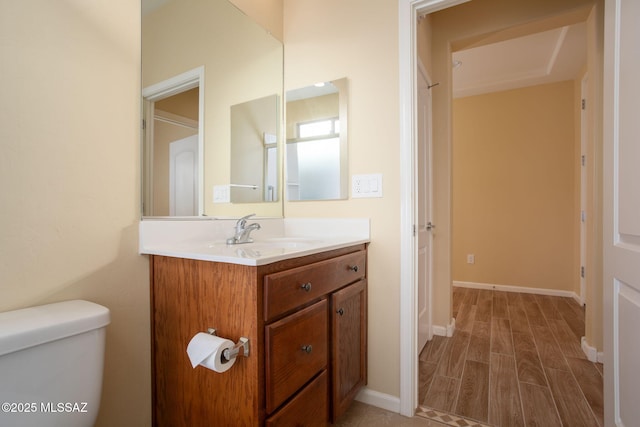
(243, 230)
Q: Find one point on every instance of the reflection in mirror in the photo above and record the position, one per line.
(317, 142)
(254, 149)
(239, 62)
(172, 148)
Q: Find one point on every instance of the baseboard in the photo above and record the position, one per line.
(380, 400)
(592, 353)
(444, 331)
(523, 289)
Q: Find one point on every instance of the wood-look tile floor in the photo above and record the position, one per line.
(514, 360)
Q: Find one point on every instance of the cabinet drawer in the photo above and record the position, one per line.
(296, 350)
(309, 408)
(289, 289)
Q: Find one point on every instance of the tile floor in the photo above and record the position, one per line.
(362, 415)
(515, 359)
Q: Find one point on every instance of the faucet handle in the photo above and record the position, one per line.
(242, 221)
(246, 217)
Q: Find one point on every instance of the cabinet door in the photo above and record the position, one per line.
(349, 351)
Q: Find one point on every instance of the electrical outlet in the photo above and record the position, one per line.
(366, 185)
(221, 194)
(471, 259)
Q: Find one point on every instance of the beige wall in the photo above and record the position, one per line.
(70, 126)
(267, 13)
(249, 122)
(358, 39)
(595, 51)
(514, 188)
(423, 42)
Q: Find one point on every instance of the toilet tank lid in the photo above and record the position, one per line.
(28, 327)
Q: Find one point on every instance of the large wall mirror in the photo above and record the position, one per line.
(316, 146)
(213, 94)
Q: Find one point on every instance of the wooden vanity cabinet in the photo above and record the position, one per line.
(306, 322)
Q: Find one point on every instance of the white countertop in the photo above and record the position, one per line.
(277, 240)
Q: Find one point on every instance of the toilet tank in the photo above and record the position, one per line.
(51, 362)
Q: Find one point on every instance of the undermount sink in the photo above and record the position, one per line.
(287, 242)
(271, 243)
(268, 246)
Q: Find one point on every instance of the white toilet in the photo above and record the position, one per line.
(51, 361)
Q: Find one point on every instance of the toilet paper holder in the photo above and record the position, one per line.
(233, 352)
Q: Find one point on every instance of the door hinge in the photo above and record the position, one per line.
(144, 124)
(582, 272)
(583, 216)
(584, 104)
(583, 160)
(414, 230)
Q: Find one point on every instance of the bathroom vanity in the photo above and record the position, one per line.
(304, 312)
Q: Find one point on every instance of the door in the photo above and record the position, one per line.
(423, 201)
(621, 212)
(349, 351)
(183, 177)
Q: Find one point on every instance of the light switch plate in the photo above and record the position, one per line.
(221, 194)
(366, 185)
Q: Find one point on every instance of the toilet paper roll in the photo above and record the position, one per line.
(206, 350)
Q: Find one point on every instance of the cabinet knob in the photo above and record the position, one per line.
(340, 311)
(306, 286)
(353, 268)
(307, 348)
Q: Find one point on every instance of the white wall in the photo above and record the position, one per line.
(69, 167)
(358, 39)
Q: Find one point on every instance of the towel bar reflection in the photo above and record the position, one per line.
(251, 186)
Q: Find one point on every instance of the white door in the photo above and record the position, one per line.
(622, 213)
(423, 198)
(183, 177)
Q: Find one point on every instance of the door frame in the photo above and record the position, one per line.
(408, 11)
(164, 89)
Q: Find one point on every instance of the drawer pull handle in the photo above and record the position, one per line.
(306, 286)
(340, 311)
(353, 268)
(307, 348)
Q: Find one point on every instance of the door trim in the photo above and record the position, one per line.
(408, 11)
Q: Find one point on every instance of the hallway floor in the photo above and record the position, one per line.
(514, 359)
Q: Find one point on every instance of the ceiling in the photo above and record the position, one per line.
(545, 57)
